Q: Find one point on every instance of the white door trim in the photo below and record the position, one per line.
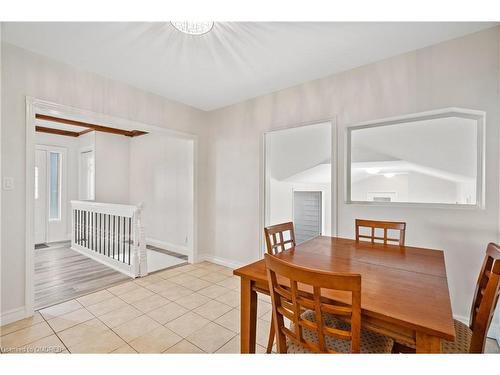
(45, 220)
(264, 180)
(34, 106)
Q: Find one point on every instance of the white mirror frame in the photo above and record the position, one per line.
(479, 116)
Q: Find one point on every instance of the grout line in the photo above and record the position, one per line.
(55, 333)
(142, 313)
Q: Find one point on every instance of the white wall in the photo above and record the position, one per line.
(112, 168)
(161, 177)
(462, 72)
(71, 180)
(29, 74)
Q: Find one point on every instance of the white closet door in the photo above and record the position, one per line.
(87, 175)
(307, 215)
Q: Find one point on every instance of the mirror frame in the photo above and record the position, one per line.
(479, 116)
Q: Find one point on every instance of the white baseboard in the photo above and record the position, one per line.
(493, 333)
(183, 250)
(220, 261)
(13, 315)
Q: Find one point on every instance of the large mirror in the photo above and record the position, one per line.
(426, 158)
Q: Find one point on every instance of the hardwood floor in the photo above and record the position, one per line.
(62, 274)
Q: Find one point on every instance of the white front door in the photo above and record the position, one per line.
(41, 196)
(51, 216)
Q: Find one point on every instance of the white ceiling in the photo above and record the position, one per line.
(232, 63)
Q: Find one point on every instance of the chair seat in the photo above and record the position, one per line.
(371, 342)
(461, 345)
(463, 336)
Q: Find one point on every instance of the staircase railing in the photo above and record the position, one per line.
(111, 234)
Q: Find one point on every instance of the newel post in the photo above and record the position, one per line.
(140, 252)
(73, 226)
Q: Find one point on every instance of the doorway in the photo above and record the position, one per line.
(299, 179)
(94, 175)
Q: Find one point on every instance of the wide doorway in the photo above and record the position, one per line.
(108, 205)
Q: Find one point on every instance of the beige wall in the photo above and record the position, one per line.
(462, 73)
(28, 74)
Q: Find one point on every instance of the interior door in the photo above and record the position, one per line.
(87, 175)
(41, 196)
(307, 215)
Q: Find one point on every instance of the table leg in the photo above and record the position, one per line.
(427, 343)
(248, 316)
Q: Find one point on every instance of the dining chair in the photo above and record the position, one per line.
(275, 237)
(276, 243)
(385, 226)
(313, 328)
(472, 338)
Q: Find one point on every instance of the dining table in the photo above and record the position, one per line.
(404, 289)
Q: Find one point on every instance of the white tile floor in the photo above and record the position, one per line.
(189, 309)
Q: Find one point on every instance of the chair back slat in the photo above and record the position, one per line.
(485, 298)
(275, 237)
(287, 284)
(385, 226)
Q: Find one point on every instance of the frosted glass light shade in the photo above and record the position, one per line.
(193, 28)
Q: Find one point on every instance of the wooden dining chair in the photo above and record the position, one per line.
(276, 243)
(385, 226)
(313, 327)
(275, 237)
(472, 338)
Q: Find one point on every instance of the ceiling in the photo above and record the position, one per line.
(232, 63)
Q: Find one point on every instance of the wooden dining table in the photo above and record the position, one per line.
(404, 290)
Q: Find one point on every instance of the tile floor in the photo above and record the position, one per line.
(188, 309)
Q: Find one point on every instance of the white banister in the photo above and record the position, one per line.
(111, 234)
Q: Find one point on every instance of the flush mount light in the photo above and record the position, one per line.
(372, 170)
(193, 28)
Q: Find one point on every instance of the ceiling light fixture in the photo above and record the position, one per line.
(389, 175)
(193, 28)
(372, 170)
